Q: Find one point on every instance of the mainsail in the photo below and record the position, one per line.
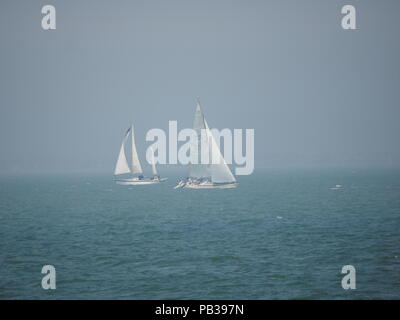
(198, 170)
(136, 167)
(216, 169)
(122, 166)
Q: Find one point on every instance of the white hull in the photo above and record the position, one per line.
(215, 186)
(209, 186)
(137, 182)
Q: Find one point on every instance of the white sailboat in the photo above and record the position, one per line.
(215, 174)
(133, 175)
(156, 177)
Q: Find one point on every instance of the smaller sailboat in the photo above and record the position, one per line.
(125, 175)
(155, 177)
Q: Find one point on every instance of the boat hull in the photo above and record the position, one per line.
(210, 186)
(135, 182)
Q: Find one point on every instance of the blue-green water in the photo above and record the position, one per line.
(279, 235)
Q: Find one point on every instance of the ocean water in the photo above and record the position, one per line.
(279, 235)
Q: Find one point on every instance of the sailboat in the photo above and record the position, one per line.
(156, 177)
(215, 174)
(125, 175)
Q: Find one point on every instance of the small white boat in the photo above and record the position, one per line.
(122, 168)
(215, 174)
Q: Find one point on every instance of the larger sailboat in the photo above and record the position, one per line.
(215, 173)
(133, 175)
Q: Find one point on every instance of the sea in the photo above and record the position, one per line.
(281, 234)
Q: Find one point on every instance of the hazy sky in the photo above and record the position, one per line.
(316, 95)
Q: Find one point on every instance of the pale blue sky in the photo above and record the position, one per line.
(316, 95)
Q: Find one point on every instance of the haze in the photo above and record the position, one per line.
(316, 95)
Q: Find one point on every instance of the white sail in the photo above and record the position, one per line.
(219, 170)
(122, 165)
(136, 167)
(153, 163)
(199, 170)
(216, 169)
